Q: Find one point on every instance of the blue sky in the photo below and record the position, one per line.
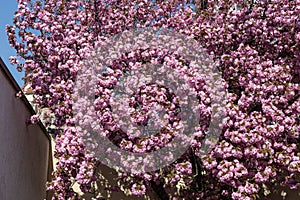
(8, 7)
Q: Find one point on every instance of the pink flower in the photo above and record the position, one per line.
(138, 189)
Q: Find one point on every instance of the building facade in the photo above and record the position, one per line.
(25, 150)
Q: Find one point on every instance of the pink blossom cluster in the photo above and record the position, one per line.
(142, 103)
(256, 47)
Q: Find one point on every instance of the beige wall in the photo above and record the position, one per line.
(107, 178)
(24, 150)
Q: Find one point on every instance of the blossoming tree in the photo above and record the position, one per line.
(254, 44)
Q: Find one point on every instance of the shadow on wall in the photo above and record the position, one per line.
(107, 179)
(284, 193)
